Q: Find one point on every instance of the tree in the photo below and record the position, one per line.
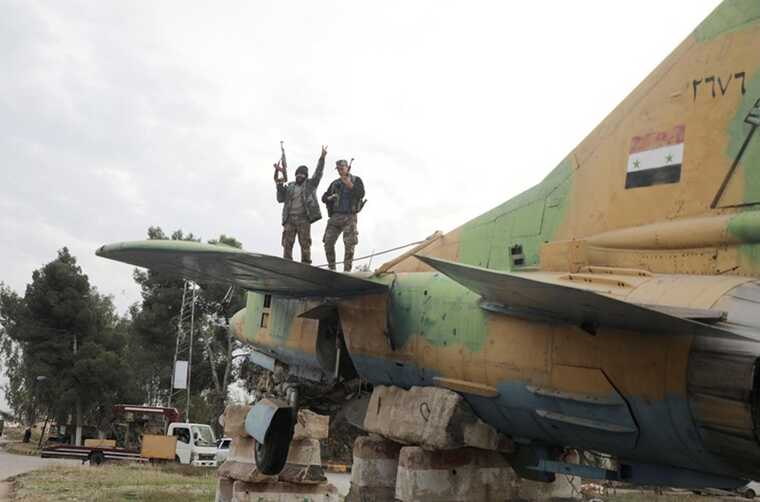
(220, 302)
(65, 354)
(154, 326)
(154, 335)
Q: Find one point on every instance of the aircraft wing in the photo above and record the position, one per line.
(225, 264)
(523, 296)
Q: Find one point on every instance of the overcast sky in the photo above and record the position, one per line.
(115, 116)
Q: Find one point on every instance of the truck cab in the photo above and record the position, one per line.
(196, 443)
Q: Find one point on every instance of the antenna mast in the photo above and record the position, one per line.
(183, 353)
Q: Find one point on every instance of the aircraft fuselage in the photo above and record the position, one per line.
(671, 401)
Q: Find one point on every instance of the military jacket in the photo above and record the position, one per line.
(285, 194)
(357, 195)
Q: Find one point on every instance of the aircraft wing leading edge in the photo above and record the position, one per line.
(522, 296)
(225, 264)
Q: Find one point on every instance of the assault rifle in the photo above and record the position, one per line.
(363, 201)
(281, 166)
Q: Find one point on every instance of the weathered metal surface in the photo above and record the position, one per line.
(262, 360)
(252, 271)
(261, 416)
(556, 302)
(474, 388)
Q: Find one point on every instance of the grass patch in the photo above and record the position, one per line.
(15, 434)
(22, 448)
(116, 482)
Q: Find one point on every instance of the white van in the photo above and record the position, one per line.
(750, 490)
(196, 444)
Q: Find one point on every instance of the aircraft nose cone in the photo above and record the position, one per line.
(237, 325)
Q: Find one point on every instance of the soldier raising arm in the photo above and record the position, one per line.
(300, 208)
(344, 199)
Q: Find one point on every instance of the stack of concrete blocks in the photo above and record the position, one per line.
(426, 444)
(303, 478)
(564, 489)
(373, 473)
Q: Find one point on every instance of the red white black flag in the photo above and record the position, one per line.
(655, 158)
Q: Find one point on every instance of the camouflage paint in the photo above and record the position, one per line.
(253, 309)
(729, 16)
(528, 220)
(747, 172)
(435, 308)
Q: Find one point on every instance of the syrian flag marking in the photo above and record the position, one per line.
(655, 158)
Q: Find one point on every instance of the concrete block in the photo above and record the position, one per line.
(438, 419)
(305, 452)
(241, 463)
(224, 490)
(233, 420)
(310, 425)
(302, 474)
(243, 449)
(462, 475)
(243, 471)
(304, 463)
(565, 488)
(373, 474)
(283, 492)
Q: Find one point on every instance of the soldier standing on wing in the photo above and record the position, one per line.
(344, 199)
(301, 208)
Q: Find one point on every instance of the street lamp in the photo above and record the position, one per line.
(40, 379)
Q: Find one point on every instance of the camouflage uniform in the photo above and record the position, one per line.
(300, 210)
(337, 224)
(297, 225)
(342, 208)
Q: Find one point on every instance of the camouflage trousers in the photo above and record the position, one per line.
(296, 226)
(345, 224)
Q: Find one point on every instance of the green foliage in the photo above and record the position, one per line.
(154, 336)
(64, 343)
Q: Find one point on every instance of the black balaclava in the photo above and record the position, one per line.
(301, 174)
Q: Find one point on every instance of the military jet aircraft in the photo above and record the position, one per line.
(613, 307)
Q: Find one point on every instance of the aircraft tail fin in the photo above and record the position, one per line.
(683, 148)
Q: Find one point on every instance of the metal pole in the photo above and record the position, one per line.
(176, 349)
(190, 356)
(78, 432)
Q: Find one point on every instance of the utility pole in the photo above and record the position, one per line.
(183, 353)
(78, 434)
